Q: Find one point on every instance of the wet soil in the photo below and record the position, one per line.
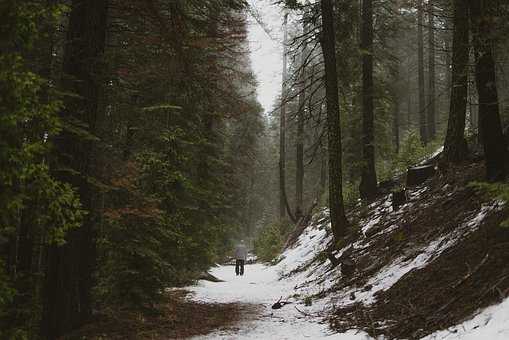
(176, 317)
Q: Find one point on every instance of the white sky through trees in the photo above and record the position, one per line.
(266, 50)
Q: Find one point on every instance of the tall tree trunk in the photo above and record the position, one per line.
(431, 73)
(455, 146)
(67, 292)
(409, 102)
(299, 166)
(395, 122)
(337, 211)
(368, 184)
(395, 96)
(420, 71)
(282, 130)
(495, 147)
(448, 64)
(323, 172)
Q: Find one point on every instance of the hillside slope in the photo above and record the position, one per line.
(437, 261)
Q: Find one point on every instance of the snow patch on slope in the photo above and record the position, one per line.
(491, 324)
(392, 273)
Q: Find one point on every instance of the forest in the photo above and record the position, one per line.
(135, 154)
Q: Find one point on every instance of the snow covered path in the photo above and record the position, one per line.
(261, 285)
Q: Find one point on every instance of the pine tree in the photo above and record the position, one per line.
(337, 211)
(70, 267)
(482, 15)
(368, 185)
(431, 107)
(455, 147)
(423, 130)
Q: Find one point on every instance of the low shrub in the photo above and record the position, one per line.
(270, 240)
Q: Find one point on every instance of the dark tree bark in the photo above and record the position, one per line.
(455, 146)
(431, 73)
(495, 148)
(395, 123)
(337, 211)
(299, 166)
(395, 91)
(323, 172)
(67, 292)
(420, 72)
(282, 133)
(368, 184)
(409, 102)
(448, 72)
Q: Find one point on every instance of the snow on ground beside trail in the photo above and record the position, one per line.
(264, 285)
(490, 324)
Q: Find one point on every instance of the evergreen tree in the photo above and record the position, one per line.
(455, 147)
(368, 185)
(495, 146)
(337, 211)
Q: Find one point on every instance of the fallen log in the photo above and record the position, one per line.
(209, 277)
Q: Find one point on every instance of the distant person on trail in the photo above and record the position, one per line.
(240, 258)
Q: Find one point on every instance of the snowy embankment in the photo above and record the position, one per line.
(303, 274)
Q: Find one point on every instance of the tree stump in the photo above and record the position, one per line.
(386, 186)
(347, 266)
(419, 174)
(399, 198)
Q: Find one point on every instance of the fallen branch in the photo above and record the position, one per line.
(304, 313)
(470, 273)
(279, 304)
(492, 288)
(209, 277)
(448, 304)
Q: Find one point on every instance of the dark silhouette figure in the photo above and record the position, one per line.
(240, 257)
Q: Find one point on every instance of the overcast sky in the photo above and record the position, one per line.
(266, 50)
